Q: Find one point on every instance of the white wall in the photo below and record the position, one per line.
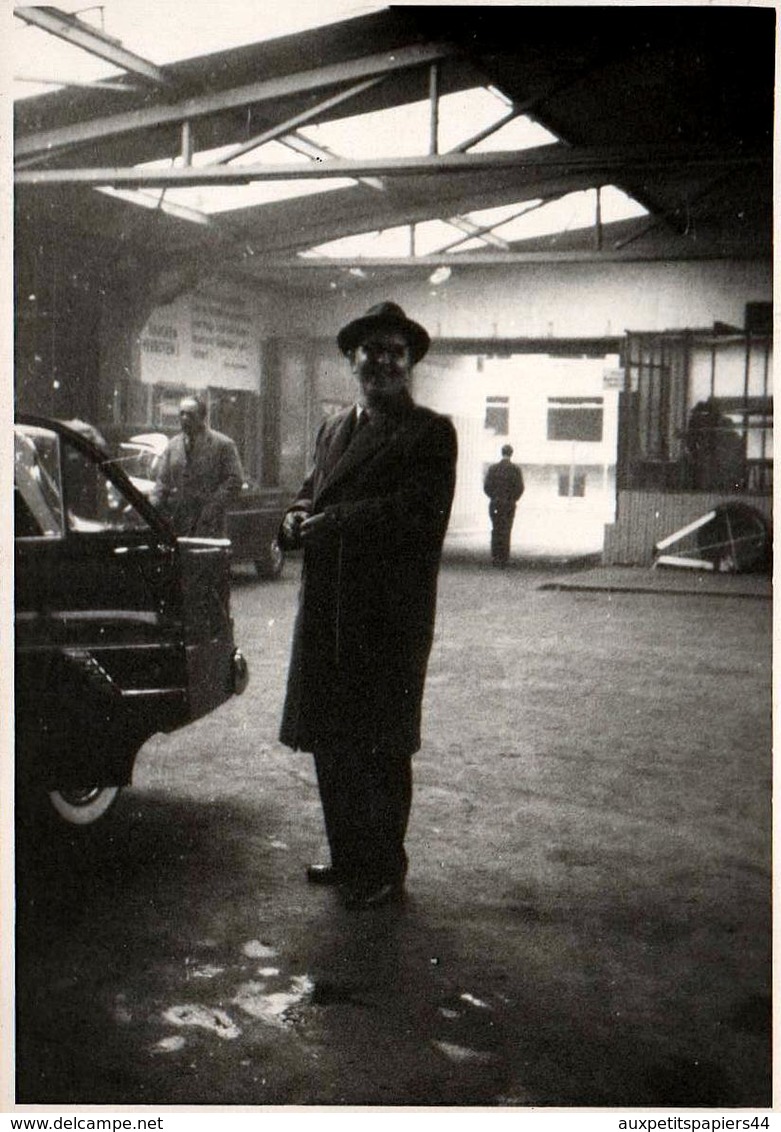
(562, 300)
(546, 522)
(566, 301)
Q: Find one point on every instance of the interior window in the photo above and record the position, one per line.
(575, 418)
(93, 502)
(38, 511)
(497, 415)
(572, 483)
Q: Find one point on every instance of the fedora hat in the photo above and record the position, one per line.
(384, 316)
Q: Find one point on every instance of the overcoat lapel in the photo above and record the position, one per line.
(346, 454)
(342, 433)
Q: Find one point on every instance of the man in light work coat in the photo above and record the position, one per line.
(371, 518)
(200, 472)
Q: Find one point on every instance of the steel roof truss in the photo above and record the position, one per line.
(75, 31)
(291, 124)
(463, 146)
(476, 232)
(299, 143)
(535, 164)
(495, 257)
(268, 90)
(482, 232)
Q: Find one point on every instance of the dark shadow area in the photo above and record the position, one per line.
(587, 915)
(107, 906)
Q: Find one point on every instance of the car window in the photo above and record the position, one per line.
(140, 464)
(94, 502)
(38, 506)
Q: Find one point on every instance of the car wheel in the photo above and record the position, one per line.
(83, 805)
(270, 566)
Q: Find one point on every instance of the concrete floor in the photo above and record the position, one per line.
(588, 913)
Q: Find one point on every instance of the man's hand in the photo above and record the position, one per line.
(290, 530)
(318, 529)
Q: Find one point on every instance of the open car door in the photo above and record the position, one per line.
(121, 631)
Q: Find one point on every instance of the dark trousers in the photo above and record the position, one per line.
(366, 798)
(501, 528)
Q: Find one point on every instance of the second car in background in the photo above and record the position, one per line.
(253, 516)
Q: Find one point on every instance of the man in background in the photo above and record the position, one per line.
(504, 487)
(200, 472)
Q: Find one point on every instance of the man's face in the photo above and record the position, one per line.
(382, 366)
(190, 417)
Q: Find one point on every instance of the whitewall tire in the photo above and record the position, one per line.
(83, 806)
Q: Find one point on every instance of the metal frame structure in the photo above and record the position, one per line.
(571, 79)
(657, 403)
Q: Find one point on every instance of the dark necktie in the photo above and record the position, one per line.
(362, 423)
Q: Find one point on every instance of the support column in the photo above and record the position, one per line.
(270, 397)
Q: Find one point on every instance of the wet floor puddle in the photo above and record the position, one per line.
(261, 999)
(275, 1000)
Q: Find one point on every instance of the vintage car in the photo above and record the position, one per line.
(253, 517)
(122, 630)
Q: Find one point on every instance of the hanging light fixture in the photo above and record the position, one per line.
(440, 275)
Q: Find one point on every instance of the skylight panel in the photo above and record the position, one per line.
(396, 132)
(228, 198)
(484, 217)
(198, 200)
(390, 242)
(156, 199)
(225, 198)
(398, 241)
(571, 212)
(520, 133)
(208, 200)
(618, 205)
(156, 31)
(402, 131)
(432, 235)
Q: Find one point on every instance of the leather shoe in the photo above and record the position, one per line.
(374, 897)
(322, 874)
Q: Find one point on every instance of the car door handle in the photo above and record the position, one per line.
(132, 549)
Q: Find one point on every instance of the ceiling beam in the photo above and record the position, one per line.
(507, 347)
(686, 250)
(483, 232)
(251, 94)
(299, 143)
(75, 31)
(95, 84)
(535, 164)
(476, 232)
(291, 124)
(487, 132)
(285, 228)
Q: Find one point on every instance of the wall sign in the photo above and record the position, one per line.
(613, 379)
(208, 337)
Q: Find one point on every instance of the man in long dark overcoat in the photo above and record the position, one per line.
(371, 518)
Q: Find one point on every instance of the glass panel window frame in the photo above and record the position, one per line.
(38, 491)
(572, 483)
(578, 419)
(497, 415)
